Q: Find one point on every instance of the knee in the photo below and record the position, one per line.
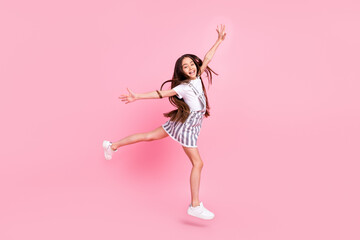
(198, 164)
(149, 137)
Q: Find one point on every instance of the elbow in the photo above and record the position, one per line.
(207, 58)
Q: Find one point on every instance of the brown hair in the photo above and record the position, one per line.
(182, 112)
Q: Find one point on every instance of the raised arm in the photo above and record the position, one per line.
(211, 52)
(131, 97)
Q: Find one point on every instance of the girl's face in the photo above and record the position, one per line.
(189, 68)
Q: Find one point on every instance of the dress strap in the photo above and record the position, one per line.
(201, 96)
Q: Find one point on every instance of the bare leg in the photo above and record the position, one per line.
(193, 154)
(156, 134)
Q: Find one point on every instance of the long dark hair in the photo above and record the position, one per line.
(182, 112)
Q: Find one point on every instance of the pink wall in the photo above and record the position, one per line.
(280, 150)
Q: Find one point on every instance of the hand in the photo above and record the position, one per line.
(128, 98)
(221, 32)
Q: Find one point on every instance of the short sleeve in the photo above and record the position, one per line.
(180, 90)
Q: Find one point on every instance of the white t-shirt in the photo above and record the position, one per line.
(184, 91)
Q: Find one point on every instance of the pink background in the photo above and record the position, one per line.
(280, 150)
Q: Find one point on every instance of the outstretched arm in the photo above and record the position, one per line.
(131, 97)
(211, 52)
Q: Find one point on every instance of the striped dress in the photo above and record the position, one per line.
(187, 133)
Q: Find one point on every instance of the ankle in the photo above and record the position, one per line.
(195, 204)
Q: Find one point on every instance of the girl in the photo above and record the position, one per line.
(188, 95)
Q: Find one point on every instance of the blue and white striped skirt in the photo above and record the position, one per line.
(186, 133)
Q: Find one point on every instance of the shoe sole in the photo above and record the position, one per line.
(107, 157)
(205, 218)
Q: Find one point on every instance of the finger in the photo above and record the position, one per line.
(131, 92)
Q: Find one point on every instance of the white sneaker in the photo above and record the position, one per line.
(108, 152)
(200, 212)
